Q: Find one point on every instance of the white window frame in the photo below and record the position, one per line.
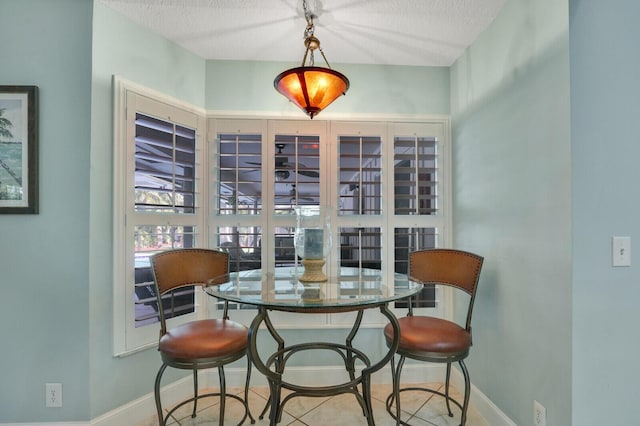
(387, 128)
(127, 339)
(130, 98)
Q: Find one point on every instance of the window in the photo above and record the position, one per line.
(360, 167)
(388, 184)
(264, 169)
(164, 183)
(157, 188)
(415, 193)
(390, 194)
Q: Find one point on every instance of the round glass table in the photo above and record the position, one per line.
(348, 290)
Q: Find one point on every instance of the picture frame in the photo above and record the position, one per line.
(18, 149)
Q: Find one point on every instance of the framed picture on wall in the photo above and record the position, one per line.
(18, 149)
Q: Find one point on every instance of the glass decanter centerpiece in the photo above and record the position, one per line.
(313, 240)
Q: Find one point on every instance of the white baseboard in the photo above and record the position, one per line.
(483, 405)
(144, 407)
(48, 424)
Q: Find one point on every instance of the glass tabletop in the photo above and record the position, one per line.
(350, 288)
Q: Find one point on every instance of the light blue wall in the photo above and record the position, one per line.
(124, 49)
(547, 244)
(44, 260)
(605, 88)
(512, 204)
(248, 86)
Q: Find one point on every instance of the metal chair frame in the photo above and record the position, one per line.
(177, 268)
(447, 267)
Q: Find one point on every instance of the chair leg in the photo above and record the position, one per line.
(156, 392)
(393, 380)
(396, 388)
(467, 388)
(446, 388)
(195, 393)
(223, 394)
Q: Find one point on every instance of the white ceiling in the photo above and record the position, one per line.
(397, 32)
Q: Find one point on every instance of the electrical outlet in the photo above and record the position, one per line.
(53, 394)
(539, 414)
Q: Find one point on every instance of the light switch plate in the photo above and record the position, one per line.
(621, 251)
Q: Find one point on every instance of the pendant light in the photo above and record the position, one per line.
(310, 87)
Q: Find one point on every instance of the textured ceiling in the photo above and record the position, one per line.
(399, 32)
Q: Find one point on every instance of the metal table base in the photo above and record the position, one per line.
(273, 368)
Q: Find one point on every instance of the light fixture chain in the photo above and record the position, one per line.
(307, 13)
(308, 32)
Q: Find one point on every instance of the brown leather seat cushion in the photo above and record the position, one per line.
(204, 339)
(428, 334)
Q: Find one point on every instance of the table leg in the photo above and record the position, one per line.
(279, 340)
(367, 372)
(351, 368)
(274, 378)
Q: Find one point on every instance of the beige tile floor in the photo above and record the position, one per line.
(419, 409)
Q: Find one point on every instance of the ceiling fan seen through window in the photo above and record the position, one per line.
(284, 168)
